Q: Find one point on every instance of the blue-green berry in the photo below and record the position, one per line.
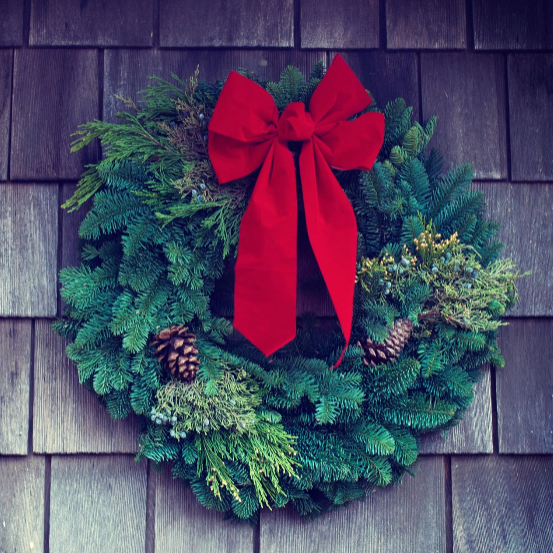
(200, 198)
(448, 255)
(434, 269)
(153, 417)
(388, 284)
(387, 291)
(469, 269)
(468, 285)
(474, 274)
(394, 268)
(401, 271)
(405, 262)
(158, 421)
(182, 434)
(381, 282)
(201, 116)
(202, 185)
(194, 192)
(173, 419)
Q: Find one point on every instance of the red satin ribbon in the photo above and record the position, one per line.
(245, 132)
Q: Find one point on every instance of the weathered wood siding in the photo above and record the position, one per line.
(484, 67)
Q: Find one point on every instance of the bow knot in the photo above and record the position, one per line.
(295, 124)
(245, 133)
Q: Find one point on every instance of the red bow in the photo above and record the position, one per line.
(246, 132)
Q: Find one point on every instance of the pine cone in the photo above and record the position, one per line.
(177, 353)
(390, 349)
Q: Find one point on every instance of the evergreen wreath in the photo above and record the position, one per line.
(144, 313)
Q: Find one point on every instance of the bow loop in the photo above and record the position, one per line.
(245, 133)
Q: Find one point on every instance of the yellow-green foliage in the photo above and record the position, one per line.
(268, 452)
(229, 425)
(232, 407)
(462, 292)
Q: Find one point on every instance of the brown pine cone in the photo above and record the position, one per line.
(176, 351)
(390, 349)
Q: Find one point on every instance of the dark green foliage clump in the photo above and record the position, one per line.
(252, 431)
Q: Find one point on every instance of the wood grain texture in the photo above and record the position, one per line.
(67, 417)
(15, 370)
(352, 24)
(70, 223)
(387, 75)
(97, 504)
(474, 433)
(467, 93)
(54, 92)
(510, 25)
(22, 504)
(127, 71)
(6, 64)
(405, 519)
(91, 23)
(525, 387)
(531, 116)
(222, 23)
(180, 520)
(11, 23)
(28, 251)
(426, 24)
(502, 504)
(525, 213)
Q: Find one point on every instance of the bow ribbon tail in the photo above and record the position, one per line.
(266, 268)
(332, 231)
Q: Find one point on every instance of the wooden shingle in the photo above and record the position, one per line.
(70, 223)
(97, 503)
(403, 519)
(511, 25)
(525, 213)
(426, 24)
(28, 255)
(352, 24)
(525, 387)
(181, 523)
(387, 76)
(502, 503)
(222, 23)
(474, 433)
(467, 93)
(531, 116)
(67, 417)
(91, 23)
(22, 504)
(15, 370)
(6, 63)
(54, 91)
(11, 23)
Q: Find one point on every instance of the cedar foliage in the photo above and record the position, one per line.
(252, 431)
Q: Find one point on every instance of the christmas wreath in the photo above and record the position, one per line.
(197, 189)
